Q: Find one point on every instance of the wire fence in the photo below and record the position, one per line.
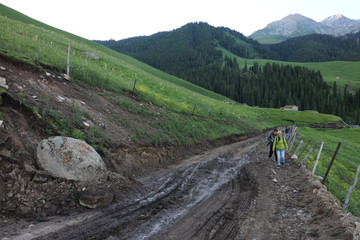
(335, 164)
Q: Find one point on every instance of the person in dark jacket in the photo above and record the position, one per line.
(271, 139)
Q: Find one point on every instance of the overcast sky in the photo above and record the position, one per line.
(119, 19)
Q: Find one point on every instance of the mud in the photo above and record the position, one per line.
(226, 193)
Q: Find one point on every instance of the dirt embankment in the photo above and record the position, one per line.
(27, 192)
(203, 192)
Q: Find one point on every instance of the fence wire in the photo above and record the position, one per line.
(343, 172)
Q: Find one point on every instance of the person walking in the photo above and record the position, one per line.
(271, 139)
(281, 146)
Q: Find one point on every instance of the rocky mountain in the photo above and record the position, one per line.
(342, 25)
(295, 25)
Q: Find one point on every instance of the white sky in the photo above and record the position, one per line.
(119, 19)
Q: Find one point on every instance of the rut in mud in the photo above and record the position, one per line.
(206, 191)
(226, 193)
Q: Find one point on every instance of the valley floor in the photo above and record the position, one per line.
(230, 192)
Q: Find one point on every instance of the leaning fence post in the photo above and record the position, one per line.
(292, 138)
(134, 86)
(304, 149)
(297, 149)
(194, 109)
(317, 158)
(331, 163)
(68, 61)
(309, 153)
(351, 189)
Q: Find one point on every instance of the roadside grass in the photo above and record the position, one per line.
(342, 174)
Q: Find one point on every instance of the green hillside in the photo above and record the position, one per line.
(317, 48)
(24, 39)
(269, 39)
(343, 72)
(209, 57)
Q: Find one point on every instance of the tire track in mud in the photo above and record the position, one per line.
(223, 224)
(208, 184)
(203, 195)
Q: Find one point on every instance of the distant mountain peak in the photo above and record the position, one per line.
(295, 15)
(295, 25)
(341, 24)
(337, 16)
(292, 25)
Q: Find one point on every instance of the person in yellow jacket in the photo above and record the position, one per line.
(281, 146)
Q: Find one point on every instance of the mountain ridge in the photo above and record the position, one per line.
(295, 25)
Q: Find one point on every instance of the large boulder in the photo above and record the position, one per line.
(70, 158)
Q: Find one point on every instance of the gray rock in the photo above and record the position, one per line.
(95, 200)
(91, 55)
(88, 123)
(3, 83)
(66, 77)
(70, 158)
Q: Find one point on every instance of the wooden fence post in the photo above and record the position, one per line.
(292, 138)
(317, 158)
(297, 149)
(304, 149)
(68, 61)
(134, 86)
(309, 153)
(194, 109)
(346, 204)
(331, 163)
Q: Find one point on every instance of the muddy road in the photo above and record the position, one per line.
(231, 192)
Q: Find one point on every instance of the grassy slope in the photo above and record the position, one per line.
(269, 39)
(36, 43)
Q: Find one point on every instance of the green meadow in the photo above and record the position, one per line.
(344, 73)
